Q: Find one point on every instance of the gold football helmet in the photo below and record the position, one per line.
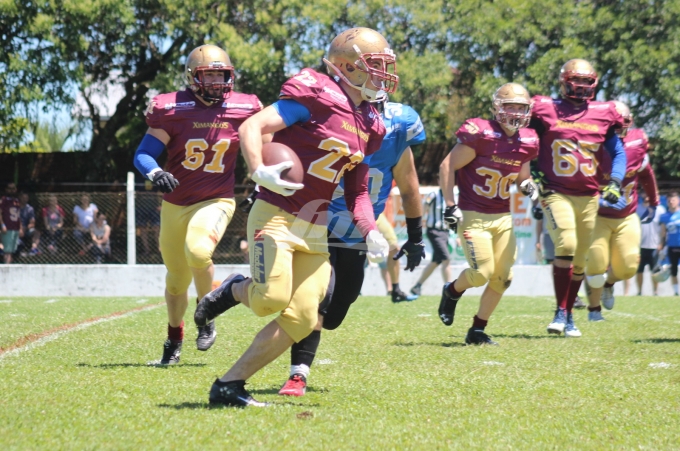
(358, 55)
(512, 94)
(578, 80)
(624, 111)
(209, 58)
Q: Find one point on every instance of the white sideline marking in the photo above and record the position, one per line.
(660, 365)
(630, 315)
(46, 339)
(6, 301)
(51, 301)
(325, 362)
(142, 301)
(492, 363)
(423, 315)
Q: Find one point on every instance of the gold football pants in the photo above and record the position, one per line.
(570, 222)
(616, 242)
(188, 237)
(290, 268)
(490, 249)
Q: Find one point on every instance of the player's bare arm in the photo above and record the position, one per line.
(407, 180)
(460, 156)
(252, 135)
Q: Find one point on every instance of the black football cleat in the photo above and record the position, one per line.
(206, 336)
(400, 296)
(447, 306)
(171, 353)
(478, 337)
(217, 301)
(232, 393)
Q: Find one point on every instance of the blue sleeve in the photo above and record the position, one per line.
(292, 111)
(415, 132)
(615, 148)
(366, 160)
(148, 151)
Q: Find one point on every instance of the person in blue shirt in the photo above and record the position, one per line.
(394, 161)
(670, 236)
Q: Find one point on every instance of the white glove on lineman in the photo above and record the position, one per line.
(270, 178)
(378, 248)
(529, 188)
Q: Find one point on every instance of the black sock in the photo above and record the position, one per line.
(303, 353)
(395, 287)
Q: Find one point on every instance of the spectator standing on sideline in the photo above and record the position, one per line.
(650, 244)
(670, 236)
(83, 215)
(10, 221)
(438, 234)
(100, 232)
(28, 233)
(53, 218)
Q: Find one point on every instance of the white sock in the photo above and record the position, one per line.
(300, 369)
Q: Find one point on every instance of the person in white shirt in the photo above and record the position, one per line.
(650, 244)
(83, 216)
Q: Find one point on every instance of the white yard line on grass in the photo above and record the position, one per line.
(5, 301)
(84, 325)
(51, 301)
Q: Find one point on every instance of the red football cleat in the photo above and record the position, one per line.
(296, 385)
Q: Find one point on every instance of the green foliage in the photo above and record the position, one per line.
(451, 55)
(391, 377)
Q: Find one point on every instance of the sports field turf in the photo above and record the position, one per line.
(392, 377)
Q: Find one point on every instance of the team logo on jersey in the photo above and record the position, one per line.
(599, 106)
(239, 106)
(637, 142)
(528, 139)
(576, 125)
(180, 105)
(352, 129)
(549, 100)
(149, 109)
(508, 161)
(414, 130)
(492, 133)
(211, 125)
(335, 94)
(471, 128)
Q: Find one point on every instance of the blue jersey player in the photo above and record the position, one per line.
(394, 161)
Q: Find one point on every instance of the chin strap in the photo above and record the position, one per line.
(368, 95)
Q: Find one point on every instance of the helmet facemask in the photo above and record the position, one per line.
(512, 94)
(215, 91)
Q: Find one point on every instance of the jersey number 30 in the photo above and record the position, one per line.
(495, 184)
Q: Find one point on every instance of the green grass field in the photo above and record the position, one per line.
(392, 377)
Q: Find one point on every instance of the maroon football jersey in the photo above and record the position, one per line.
(203, 142)
(484, 183)
(636, 145)
(572, 143)
(337, 137)
(10, 208)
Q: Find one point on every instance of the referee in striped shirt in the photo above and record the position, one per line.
(438, 234)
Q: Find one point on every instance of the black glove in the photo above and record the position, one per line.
(452, 216)
(539, 179)
(414, 248)
(537, 212)
(415, 252)
(165, 181)
(248, 202)
(612, 193)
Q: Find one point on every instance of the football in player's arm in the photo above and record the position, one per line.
(574, 132)
(490, 155)
(616, 240)
(394, 161)
(198, 129)
(330, 122)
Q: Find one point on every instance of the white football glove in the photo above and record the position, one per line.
(529, 188)
(377, 247)
(270, 178)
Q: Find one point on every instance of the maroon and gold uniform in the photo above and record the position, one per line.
(203, 142)
(484, 199)
(289, 251)
(201, 155)
(572, 139)
(617, 233)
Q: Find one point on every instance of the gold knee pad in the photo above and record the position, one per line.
(475, 277)
(499, 283)
(625, 248)
(178, 283)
